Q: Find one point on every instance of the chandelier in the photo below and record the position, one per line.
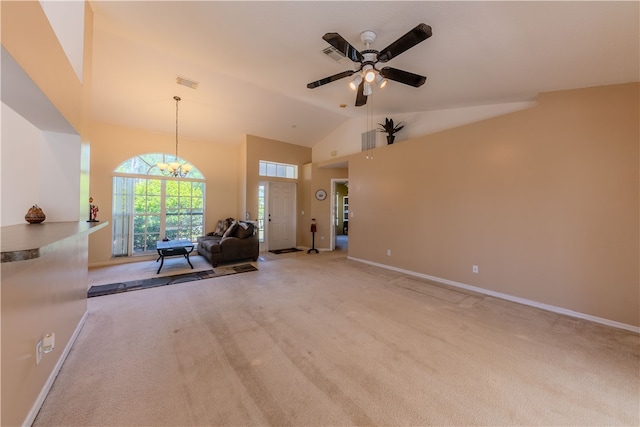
(174, 168)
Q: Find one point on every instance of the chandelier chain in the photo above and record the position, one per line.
(175, 169)
(177, 98)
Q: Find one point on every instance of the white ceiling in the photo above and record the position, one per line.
(253, 60)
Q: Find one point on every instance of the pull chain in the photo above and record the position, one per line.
(177, 98)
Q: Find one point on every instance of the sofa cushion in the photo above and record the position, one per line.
(221, 227)
(219, 231)
(244, 230)
(231, 231)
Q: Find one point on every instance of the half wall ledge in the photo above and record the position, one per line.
(23, 242)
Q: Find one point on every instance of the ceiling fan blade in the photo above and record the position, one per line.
(401, 76)
(361, 99)
(337, 41)
(330, 79)
(420, 33)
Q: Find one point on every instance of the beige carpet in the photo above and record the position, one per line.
(317, 340)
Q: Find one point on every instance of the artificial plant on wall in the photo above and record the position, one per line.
(390, 129)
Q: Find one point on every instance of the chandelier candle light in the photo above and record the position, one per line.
(174, 168)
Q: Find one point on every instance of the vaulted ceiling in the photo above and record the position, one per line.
(253, 60)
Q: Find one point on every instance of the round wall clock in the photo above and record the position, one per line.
(321, 194)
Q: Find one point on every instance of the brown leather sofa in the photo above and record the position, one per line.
(235, 242)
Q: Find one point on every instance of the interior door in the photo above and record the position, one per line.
(282, 215)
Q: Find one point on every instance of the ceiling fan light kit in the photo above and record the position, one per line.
(367, 89)
(381, 81)
(368, 71)
(355, 82)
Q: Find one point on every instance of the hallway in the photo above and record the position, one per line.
(342, 243)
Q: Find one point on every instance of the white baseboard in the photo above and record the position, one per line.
(31, 416)
(508, 297)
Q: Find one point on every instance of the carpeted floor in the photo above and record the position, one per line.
(134, 285)
(324, 341)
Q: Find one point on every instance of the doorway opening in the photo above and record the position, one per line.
(340, 214)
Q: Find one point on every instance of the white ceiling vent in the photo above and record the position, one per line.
(369, 140)
(335, 54)
(186, 82)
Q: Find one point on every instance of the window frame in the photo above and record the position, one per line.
(271, 169)
(124, 222)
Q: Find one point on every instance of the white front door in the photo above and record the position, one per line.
(282, 215)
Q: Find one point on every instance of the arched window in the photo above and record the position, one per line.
(149, 206)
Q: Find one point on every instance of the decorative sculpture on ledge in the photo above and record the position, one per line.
(93, 211)
(35, 215)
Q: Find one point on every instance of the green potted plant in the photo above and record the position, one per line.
(390, 129)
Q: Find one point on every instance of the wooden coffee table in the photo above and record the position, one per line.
(173, 248)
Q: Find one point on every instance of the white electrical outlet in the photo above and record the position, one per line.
(38, 352)
(49, 342)
(475, 269)
(388, 252)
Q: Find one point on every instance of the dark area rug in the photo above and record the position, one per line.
(285, 251)
(134, 285)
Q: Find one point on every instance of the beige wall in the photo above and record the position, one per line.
(304, 205)
(29, 38)
(47, 294)
(321, 210)
(256, 149)
(39, 296)
(20, 142)
(85, 149)
(545, 201)
(242, 183)
(310, 178)
(59, 154)
(112, 145)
